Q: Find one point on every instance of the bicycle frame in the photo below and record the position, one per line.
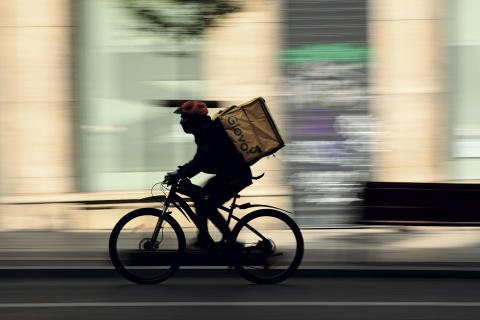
(256, 239)
(184, 208)
(181, 205)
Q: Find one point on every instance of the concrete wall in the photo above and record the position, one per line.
(37, 117)
(37, 110)
(36, 97)
(239, 64)
(407, 76)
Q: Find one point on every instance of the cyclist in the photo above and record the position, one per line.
(215, 155)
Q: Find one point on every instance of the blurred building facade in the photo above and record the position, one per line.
(362, 89)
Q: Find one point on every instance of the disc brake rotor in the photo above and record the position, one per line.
(146, 248)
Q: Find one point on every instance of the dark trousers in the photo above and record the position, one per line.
(216, 192)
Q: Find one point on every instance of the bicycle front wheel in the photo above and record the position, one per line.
(272, 246)
(137, 256)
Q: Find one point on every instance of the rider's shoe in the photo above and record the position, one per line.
(202, 243)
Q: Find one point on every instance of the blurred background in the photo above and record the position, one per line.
(380, 90)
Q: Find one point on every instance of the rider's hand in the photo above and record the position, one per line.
(171, 176)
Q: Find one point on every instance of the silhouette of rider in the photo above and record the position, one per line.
(215, 155)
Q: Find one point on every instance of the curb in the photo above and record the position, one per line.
(319, 272)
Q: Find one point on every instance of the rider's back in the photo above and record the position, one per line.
(216, 153)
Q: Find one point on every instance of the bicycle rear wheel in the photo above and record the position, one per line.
(273, 246)
(139, 259)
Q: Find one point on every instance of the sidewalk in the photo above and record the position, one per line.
(377, 251)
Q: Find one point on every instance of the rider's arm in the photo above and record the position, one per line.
(207, 145)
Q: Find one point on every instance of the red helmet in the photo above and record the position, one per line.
(192, 107)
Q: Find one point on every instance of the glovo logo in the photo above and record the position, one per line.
(237, 131)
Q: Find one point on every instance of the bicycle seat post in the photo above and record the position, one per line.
(232, 207)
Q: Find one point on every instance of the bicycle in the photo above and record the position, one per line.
(147, 245)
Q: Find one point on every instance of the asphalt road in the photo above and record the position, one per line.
(234, 298)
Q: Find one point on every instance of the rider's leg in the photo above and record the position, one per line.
(202, 212)
(220, 190)
(216, 217)
(207, 210)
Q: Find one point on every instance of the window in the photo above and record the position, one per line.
(464, 44)
(128, 137)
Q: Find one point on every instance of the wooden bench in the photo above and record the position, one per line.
(421, 204)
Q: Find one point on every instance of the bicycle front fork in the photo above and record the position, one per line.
(156, 231)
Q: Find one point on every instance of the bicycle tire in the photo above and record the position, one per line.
(127, 247)
(272, 261)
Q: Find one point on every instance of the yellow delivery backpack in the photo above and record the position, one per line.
(252, 129)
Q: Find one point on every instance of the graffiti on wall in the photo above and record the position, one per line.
(331, 139)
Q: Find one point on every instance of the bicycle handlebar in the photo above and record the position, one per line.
(171, 180)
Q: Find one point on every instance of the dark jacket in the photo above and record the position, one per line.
(215, 154)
